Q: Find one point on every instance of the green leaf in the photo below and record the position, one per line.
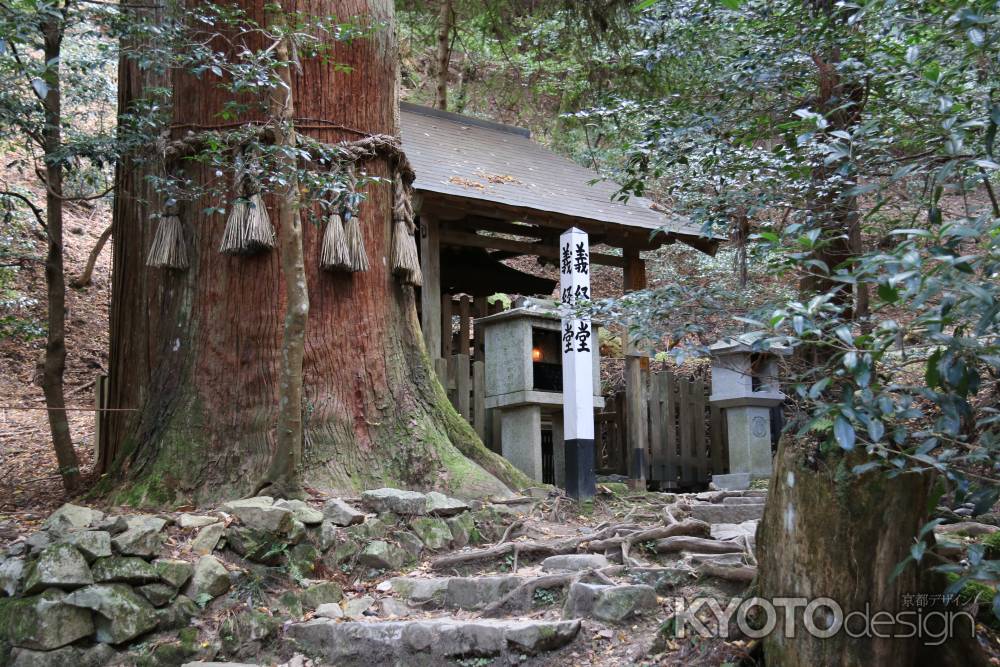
(888, 293)
(732, 4)
(843, 431)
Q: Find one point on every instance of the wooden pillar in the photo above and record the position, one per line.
(636, 373)
(430, 293)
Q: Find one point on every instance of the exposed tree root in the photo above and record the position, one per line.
(520, 599)
(741, 573)
(697, 545)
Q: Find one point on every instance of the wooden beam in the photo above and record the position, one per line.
(617, 235)
(549, 251)
(430, 293)
(636, 379)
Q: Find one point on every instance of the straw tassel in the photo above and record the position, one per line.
(357, 256)
(334, 252)
(405, 262)
(248, 229)
(168, 249)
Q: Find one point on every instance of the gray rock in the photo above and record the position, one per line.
(301, 511)
(261, 514)
(210, 578)
(142, 538)
(356, 607)
(93, 544)
(409, 542)
(470, 593)
(717, 513)
(188, 521)
(381, 555)
(245, 633)
(398, 501)
(147, 521)
(462, 528)
(112, 524)
(423, 643)
(72, 517)
(302, 559)
(176, 615)
(16, 549)
(36, 542)
(158, 594)
(328, 535)
(174, 572)
(207, 539)
(325, 593)
(256, 545)
(574, 562)
(663, 579)
(11, 575)
(613, 604)
(742, 500)
(43, 622)
(121, 615)
(433, 532)
(98, 655)
(297, 532)
(722, 559)
(439, 504)
(735, 531)
(340, 513)
(422, 591)
(394, 608)
(329, 610)
(124, 569)
(58, 565)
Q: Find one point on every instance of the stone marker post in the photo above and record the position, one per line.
(745, 384)
(577, 365)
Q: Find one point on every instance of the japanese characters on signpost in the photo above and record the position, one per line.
(578, 364)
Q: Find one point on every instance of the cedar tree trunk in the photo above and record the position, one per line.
(197, 354)
(445, 21)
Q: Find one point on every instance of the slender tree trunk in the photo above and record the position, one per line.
(55, 276)
(201, 364)
(283, 474)
(445, 23)
(88, 272)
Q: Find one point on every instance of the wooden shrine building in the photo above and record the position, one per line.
(486, 192)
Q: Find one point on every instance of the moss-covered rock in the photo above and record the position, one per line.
(158, 594)
(326, 592)
(60, 565)
(120, 614)
(43, 622)
(256, 545)
(173, 572)
(302, 559)
(244, 634)
(462, 528)
(382, 555)
(124, 569)
(433, 532)
(177, 614)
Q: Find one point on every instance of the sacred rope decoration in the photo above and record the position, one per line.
(249, 228)
(168, 249)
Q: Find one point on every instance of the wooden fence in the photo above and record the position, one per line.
(687, 437)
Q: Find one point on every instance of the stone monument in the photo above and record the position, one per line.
(745, 384)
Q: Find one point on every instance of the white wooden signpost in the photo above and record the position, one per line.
(577, 364)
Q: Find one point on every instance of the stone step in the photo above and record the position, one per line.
(721, 513)
(466, 593)
(426, 642)
(612, 604)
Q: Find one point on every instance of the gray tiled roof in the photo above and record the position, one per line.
(456, 156)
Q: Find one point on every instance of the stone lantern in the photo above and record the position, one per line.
(524, 381)
(745, 384)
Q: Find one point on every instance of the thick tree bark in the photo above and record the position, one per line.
(55, 276)
(445, 23)
(201, 366)
(829, 533)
